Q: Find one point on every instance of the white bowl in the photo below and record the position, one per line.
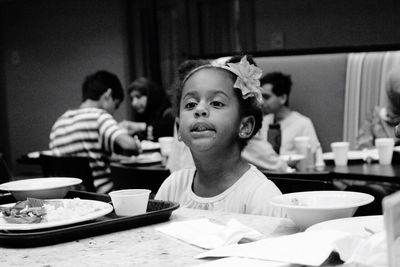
(311, 207)
(44, 188)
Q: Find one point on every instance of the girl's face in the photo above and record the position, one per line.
(138, 101)
(209, 111)
(272, 103)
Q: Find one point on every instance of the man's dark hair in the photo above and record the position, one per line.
(281, 83)
(98, 83)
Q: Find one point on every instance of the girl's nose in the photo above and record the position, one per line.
(201, 111)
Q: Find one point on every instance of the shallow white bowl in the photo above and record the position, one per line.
(44, 188)
(311, 207)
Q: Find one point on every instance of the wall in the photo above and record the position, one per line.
(326, 23)
(49, 47)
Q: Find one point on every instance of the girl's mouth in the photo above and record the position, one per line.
(201, 127)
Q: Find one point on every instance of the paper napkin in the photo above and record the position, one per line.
(371, 251)
(208, 235)
(235, 261)
(307, 248)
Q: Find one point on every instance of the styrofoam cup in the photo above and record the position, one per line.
(129, 202)
(165, 145)
(301, 143)
(340, 152)
(385, 150)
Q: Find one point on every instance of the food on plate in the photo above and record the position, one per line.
(27, 211)
(35, 210)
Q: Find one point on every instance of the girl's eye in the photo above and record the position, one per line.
(190, 105)
(217, 104)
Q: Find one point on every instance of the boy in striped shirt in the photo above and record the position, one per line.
(91, 130)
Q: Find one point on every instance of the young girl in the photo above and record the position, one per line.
(218, 112)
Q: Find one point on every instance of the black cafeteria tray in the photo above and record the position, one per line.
(157, 211)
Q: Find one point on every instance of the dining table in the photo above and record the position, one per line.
(141, 246)
(355, 170)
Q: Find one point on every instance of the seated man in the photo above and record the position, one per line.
(91, 130)
(276, 90)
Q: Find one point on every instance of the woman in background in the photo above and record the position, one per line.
(383, 121)
(152, 111)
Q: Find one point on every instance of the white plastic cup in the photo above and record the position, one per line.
(166, 145)
(301, 143)
(340, 152)
(129, 202)
(385, 150)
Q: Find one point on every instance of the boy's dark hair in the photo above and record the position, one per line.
(281, 84)
(248, 107)
(98, 83)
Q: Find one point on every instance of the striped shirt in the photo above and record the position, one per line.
(88, 132)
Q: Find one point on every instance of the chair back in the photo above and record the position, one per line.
(5, 174)
(68, 166)
(125, 177)
(291, 185)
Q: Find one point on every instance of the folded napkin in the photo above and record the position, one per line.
(236, 261)
(208, 235)
(306, 248)
(311, 248)
(371, 251)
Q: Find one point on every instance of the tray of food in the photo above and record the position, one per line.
(39, 222)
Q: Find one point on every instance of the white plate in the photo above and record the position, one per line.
(146, 158)
(36, 154)
(101, 209)
(292, 157)
(355, 155)
(353, 225)
(39, 183)
(149, 145)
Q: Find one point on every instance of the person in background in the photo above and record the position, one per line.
(219, 112)
(91, 130)
(276, 88)
(383, 120)
(152, 111)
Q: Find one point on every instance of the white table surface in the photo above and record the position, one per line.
(141, 246)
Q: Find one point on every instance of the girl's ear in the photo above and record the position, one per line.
(177, 129)
(247, 127)
(177, 124)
